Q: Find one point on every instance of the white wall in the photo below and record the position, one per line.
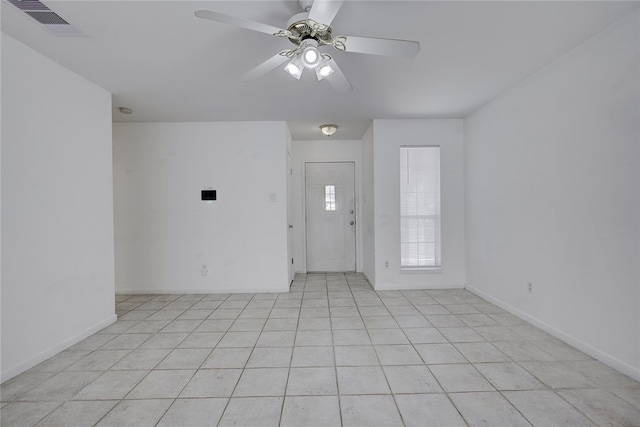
(325, 150)
(165, 233)
(553, 198)
(367, 224)
(388, 137)
(57, 208)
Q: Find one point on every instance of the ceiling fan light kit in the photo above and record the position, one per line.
(309, 31)
(323, 69)
(310, 53)
(308, 56)
(295, 67)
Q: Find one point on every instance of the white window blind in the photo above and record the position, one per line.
(420, 207)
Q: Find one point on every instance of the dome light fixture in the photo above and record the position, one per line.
(328, 129)
(125, 110)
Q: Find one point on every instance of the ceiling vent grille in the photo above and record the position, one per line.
(28, 5)
(46, 17)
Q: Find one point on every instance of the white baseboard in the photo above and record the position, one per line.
(53, 350)
(603, 357)
(371, 282)
(412, 286)
(235, 290)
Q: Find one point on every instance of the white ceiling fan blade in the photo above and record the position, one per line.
(268, 65)
(323, 11)
(384, 47)
(238, 22)
(337, 79)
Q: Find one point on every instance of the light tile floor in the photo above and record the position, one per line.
(332, 352)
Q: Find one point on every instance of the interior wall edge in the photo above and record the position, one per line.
(21, 367)
(369, 279)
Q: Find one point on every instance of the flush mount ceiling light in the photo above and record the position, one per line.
(328, 129)
(310, 31)
(125, 110)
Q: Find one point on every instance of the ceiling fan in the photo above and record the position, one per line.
(309, 31)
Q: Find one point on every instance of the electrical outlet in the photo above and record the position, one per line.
(204, 270)
(530, 288)
(386, 264)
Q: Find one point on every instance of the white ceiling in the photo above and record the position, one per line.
(160, 60)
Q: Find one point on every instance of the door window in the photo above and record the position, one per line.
(329, 197)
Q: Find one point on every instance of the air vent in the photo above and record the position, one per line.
(28, 5)
(46, 17)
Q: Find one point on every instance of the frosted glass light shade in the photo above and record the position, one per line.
(310, 54)
(323, 70)
(294, 67)
(328, 129)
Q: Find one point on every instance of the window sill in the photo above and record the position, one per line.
(429, 270)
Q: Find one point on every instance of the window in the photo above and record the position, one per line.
(419, 207)
(329, 197)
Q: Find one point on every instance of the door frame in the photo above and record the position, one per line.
(356, 190)
(291, 270)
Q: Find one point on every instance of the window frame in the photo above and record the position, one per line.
(436, 217)
(330, 198)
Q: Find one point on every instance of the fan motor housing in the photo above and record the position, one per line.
(301, 30)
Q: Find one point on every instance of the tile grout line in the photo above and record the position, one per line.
(429, 369)
(159, 362)
(521, 335)
(243, 368)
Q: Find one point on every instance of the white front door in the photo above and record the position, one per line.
(330, 205)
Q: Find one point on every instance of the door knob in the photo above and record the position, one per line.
(351, 222)
(290, 225)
